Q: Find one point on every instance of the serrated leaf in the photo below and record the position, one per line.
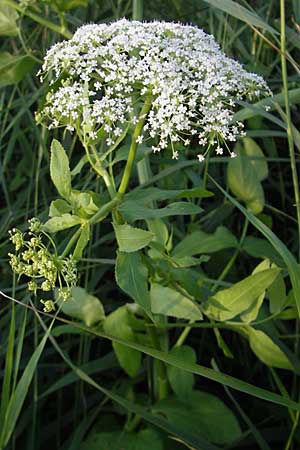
(132, 277)
(131, 239)
(61, 223)
(168, 302)
(266, 350)
(238, 298)
(60, 170)
(82, 306)
(117, 324)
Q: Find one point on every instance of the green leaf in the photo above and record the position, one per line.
(256, 157)
(83, 203)
(61, 223)
(60, 170)
(244, 183)
(146, 439)
(260, 248)
(198, 369)
(14, 68)
(132, 277)
(131, 239)
(168, 302)
(118, 324)
(82, 306)
(8, 21)
(203, 414)
(278, 245)
(201, 242)
(266, 350)
(251, 313)
(277, 295)
(82, 242)
(240, 12)
(148, 195)
(182, 382)
(132, 210)
(59, 207)
(231, 302)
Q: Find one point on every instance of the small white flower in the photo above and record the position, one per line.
(233, 155)
(219, 150)
(139, 139)
(200, 157)
(175, 154)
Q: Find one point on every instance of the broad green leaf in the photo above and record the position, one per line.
(59, 207)
(231, 302)
(82, 306)
(280, 247)
(117, 324)
(13, 68)
(150, 194)
(82, 242)
(256, 157)
(61, 223)
(132, 277)
(251, 313)
(132, 210)
(60, 170)
(131, 239)
(202, 414)
(260, 248)
(240, 12)
(277, 295)
(168, 302)
(244, 183)
(182, 382)
(266, 350)
(146, 439)
(8, 21)
(201, 242)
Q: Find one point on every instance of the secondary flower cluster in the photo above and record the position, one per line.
(105, 72)
(34, 260)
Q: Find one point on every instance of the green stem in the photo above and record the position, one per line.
(288, 117)
(134, 145)
(137, 9)
(100, 170)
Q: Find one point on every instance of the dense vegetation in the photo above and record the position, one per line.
(176, 320)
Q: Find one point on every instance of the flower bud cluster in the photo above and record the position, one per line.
(34, 259)
(106, 70)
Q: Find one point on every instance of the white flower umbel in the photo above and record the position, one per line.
(104, 73)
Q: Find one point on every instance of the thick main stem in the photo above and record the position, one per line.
(134, 145)
(288, 117)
